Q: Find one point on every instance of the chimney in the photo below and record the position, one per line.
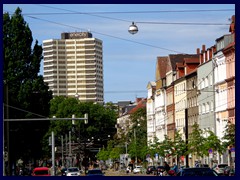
(198, 51)
(203, 48)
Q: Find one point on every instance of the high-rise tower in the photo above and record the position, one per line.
(73, 66)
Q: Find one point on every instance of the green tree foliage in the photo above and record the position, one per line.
(138, 141)
(179, 145)
(101, 120)
(212, 142)
(28, 95)
(103, 154)
(196, 141)
(229, 135)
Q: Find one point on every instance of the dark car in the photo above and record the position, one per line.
(204, 165)
(95, 172)
(151, 169)
(199, 171)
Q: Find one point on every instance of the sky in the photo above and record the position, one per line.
(129, 61)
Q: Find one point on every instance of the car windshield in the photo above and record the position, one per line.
(73, 169)
(95, 172)
(222, 165)
(41, 172)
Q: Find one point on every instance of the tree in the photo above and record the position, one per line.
(229, 135)
(212, 142)
(138, 141)
(179, 146)
(196, 141)
(28, 95)
(101, 120)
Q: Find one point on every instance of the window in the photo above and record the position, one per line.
(206, 82)
(202, 83)
(207, 107)
(203, 108)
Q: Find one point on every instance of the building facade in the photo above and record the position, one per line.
(73, 66)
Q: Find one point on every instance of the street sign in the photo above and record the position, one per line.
(210, 151)
(232, 149)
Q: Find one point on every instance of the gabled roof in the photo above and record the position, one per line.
(141, 104)
(161, 67)
(151, 84)
(179, 58)
(191, 60)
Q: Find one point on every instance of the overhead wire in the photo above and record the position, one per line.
(120, 38)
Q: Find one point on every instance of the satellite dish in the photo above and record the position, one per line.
(133, 29)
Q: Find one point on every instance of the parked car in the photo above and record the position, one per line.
(219, 168)
(137, 169)
(151, 169)
(95, 172)
(41, 171)
(204, 165)
(73, 171)
(198, 171)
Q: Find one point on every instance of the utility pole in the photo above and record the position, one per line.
(186, 134)
(53, 154)
(135, 145)
(62, 148)
(70, 149)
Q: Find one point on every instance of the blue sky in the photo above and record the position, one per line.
(129, 64)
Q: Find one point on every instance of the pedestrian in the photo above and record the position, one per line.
(175, 168)
(166, 166)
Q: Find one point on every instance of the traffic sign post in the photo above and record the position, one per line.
(210, 151)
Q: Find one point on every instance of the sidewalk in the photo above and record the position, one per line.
(111, 172)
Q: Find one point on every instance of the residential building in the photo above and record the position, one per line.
(151, 124)
(220, 85)
(206, 90)
(160, 99)
(229, 52)
(73, 66)
(124, 123)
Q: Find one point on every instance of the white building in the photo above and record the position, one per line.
(73, 66)
(151, 124)
(220, 86)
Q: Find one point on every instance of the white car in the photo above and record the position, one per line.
(137, 169)
(73, 171)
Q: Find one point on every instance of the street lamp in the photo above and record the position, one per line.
(135, 139)
(133, 29)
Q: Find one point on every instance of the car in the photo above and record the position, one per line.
(73, 171)
(204, 165)
(95, 172)
(197, 171)
(41, 171)
(219, 168)
(137, 169)
(151, 169)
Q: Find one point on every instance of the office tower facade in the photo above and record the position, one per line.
(73, 66)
